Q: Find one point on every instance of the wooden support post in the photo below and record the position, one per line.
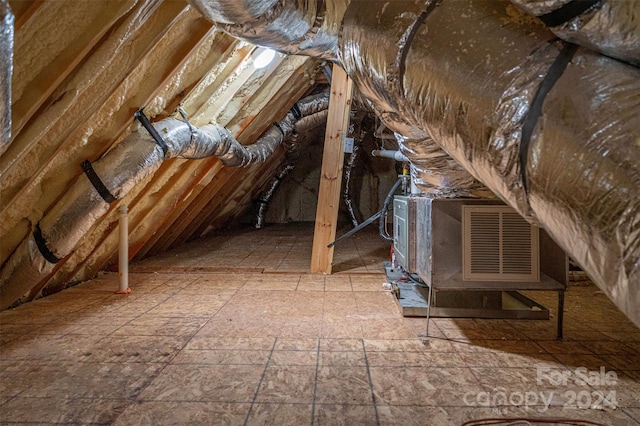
(331, 176)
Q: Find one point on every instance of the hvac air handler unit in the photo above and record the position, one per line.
(474, 256)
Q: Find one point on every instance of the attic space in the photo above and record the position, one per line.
(320, 212)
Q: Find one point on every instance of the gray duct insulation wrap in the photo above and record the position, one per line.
(466, 76)
(128, 163)
(6, 71)
(611, 27)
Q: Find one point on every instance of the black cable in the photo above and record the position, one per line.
(567, 12)
(511, 420)
(419, 283)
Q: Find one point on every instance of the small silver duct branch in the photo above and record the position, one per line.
(292, 147)
(6, 71)
(268, 194)
(550, 130)
(359, 129)
(133, 160)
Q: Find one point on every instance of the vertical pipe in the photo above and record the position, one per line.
(123, 252)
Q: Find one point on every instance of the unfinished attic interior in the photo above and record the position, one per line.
(320, 212)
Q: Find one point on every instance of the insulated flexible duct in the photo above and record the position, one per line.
(6, 71)
(307, 27)
(292, 148)
(611, 27)
(436, 174)
(349, 167)
(478, 79)
(311, 27)
(268, 194)
(116, 173)
(474, 78)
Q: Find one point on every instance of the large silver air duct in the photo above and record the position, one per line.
(610, 27)
(311, 27)
(308, 27)
(480, 81)
(111, 177)
(553, 130)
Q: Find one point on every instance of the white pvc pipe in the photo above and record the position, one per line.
(396, 155)
(123, 251)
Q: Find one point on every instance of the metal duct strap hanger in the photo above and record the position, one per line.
(139, 115)
(183, 114)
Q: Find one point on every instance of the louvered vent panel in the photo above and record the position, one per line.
(499, 245)
(516, 245)
(485, 243)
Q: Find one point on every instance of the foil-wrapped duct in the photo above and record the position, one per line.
(315, 108)
(229, 12)
(294, 27)
(6, 71)
(471, 80)
(436, 174)
(375, 40)
(131, 161)
(610, 27)
(269, 193)
(134, 159)
(349, 167)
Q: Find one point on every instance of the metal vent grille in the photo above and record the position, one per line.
(499, 245)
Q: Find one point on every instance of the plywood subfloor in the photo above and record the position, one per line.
(250, 348)
(273, 249)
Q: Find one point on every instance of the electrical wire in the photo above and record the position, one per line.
(529, 420)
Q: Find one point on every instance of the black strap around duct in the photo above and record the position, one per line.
(42, 246)
(139, 115)
(279, 127)
(295, 110)
(567, 12)
(412, 35)
(97, 183)
(535, 110)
